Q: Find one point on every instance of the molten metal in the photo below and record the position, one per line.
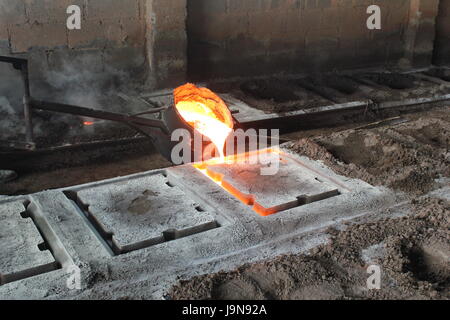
(206, 112)
(247, 199)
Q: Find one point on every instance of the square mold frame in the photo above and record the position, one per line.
(143, 210)
(24, 252)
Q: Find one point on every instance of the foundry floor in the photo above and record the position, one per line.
(129, 241)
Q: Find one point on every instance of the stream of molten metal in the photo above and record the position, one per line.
(206, 112)
(219, 178)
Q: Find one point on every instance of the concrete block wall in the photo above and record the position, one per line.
(160, 42)
(235, 37)
(442, 43)
(422, 27)
(167, 42)
(109, 49)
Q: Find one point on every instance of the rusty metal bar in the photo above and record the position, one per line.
(18, 145)
(22, 66)
(143, 125)
(26, 102)
(99, 114)
(16, 62)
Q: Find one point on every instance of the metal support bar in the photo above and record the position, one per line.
(18, 145)
(22, 66)
(99, 114)
(26, 102)
(143, 125)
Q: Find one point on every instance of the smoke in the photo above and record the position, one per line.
(81, 78)
(11, 91)
(10, 122)
(88, 81)
(7, 7)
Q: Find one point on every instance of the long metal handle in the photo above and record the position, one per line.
(99, 114)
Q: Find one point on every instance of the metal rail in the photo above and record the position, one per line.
(149, 127)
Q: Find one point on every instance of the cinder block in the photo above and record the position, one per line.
(293, 22)
(47, 36)
(46, 11)
(343, 3)
(203, 7)
(311, 4)
(12, 12)
(3, 31)
(366, 3)
(173, 22)
(429, 9)
(263, 24)
(166, 40)
(239, 6)
(133, 32)
(324, 3)
(113, 9)
(311, 19)
(332, 17)
(92, 34)
(175, 8)
(110, 33)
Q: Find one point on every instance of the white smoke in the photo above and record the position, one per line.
(79, 79)
(11, 124)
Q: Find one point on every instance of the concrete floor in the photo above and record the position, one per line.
(135, 236)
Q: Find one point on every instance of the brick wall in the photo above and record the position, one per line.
(236, 37)
(108, 50)
(167, 42)
(158, 42)
(423, 15)
(442, 44)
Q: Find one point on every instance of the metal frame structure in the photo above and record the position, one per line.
(151, 128)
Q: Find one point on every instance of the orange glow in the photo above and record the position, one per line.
(218, 178)
(88, 123)
(206, 112)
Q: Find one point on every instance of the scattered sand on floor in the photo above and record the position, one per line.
(413, 251)
(413, 259)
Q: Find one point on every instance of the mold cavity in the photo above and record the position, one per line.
(269, 90)
(43, 246)
(199, 208)
(392, 80)
(342, 84)
(169, 184)
(443, 74)
(170, 234)
(108, 240)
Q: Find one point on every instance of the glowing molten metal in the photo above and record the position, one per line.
(206, 112)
